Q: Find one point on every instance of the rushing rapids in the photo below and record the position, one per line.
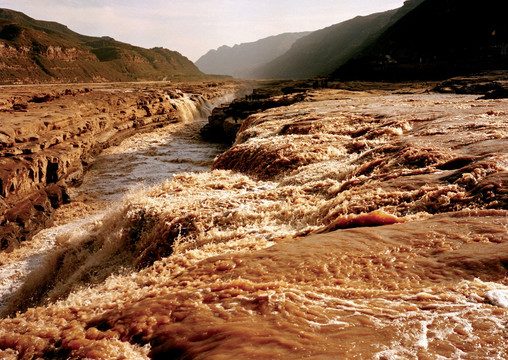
(141, 160)
(349, 225)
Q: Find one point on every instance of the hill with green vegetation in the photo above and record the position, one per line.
(34, 51)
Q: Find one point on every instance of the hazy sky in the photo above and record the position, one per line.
(192, 27)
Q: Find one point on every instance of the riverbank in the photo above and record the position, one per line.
(51, 133)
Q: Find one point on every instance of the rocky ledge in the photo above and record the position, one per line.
(492, 85)
(226, 120)
(49, 135)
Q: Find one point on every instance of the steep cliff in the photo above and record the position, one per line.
(33, 51)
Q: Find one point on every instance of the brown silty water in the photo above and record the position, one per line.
(350, 225)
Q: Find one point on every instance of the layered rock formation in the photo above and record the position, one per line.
(33, 51)
(50, 134)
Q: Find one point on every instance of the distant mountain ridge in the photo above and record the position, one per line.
(323, 51)
(34, 51)
(240, 60)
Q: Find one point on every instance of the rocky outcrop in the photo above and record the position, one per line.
(49, 136)
(226, 120)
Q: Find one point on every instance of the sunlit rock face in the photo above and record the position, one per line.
(352, 224)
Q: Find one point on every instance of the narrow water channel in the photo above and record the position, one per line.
(150, 158)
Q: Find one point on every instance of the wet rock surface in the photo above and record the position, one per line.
(226, 120)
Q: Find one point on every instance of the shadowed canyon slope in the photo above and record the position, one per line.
(240, 60)
(33, 51)
(323, 51)
(438, 39)
(422, 39)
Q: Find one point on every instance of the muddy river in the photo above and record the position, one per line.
(355, 225)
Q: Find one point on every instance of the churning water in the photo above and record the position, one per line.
(356, 226)
(142, 160)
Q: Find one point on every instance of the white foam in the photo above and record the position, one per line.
(423, 340)
(13, 275)
(498, 297)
